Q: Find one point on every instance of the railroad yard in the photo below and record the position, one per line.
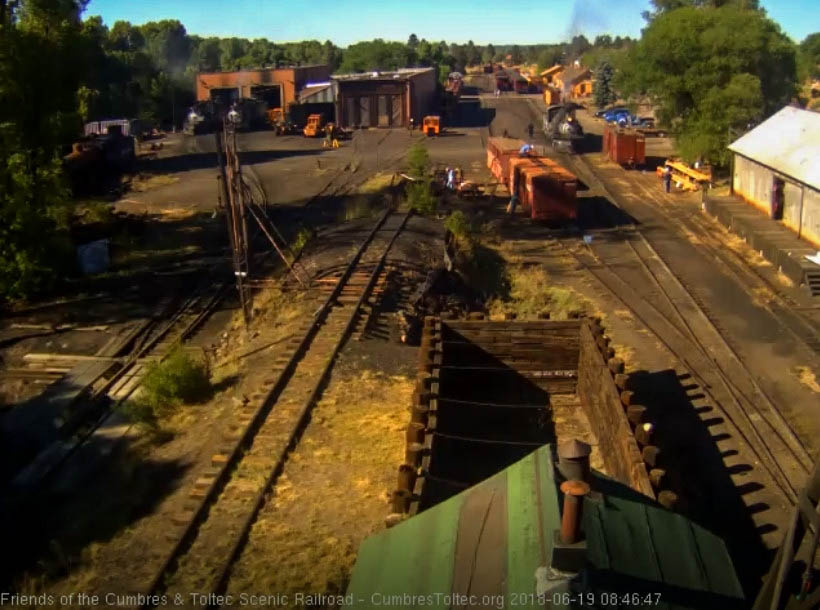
(381, 358)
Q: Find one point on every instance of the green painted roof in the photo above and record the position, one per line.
(489, 541)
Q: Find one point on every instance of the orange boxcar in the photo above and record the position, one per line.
(544, 188)
(499, 153)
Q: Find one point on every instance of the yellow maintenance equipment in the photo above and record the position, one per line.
(431, 125)
(686, 177)
(314, 125)
(275, 116)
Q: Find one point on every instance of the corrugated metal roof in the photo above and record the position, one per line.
(311, 91)
(496, 538)
(401, 73)
(787, 142)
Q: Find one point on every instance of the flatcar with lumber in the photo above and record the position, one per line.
(684, 176)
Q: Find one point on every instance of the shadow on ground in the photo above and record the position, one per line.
(206, 160)
(50, 543)
(697, 471)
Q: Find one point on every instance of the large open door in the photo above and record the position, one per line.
(270, 94)
(384, 111)
(792, 194)
(364, 111)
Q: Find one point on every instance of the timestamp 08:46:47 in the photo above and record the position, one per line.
(595, 599)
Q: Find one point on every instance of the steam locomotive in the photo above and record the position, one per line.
(561, 127)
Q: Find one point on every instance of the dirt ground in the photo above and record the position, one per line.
(136, 488)
(710, 447)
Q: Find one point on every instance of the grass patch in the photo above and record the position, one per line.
(95, 212)
(145, 182)
(310, 527)
(303, 236)
(359, 206)
(807, 378)
(532, 291)
(458, 224)
(376, 183)
(177, 380)
(420, 197)
(418, 160)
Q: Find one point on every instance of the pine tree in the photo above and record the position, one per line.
(602, 90)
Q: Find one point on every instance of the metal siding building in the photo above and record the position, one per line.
(384, 99)
(784, 147)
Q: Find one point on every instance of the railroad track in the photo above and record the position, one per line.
(97, 414)
(208, 536)
(780, 305)
(682, 323)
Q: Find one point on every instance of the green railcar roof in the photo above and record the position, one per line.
(491, 546)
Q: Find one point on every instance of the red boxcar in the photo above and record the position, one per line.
(627, 147)
(607, 137)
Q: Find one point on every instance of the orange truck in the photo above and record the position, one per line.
(315, 126)
(431, 125)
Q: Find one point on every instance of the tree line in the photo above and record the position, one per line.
(711, 67)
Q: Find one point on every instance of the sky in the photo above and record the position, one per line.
(482, 21)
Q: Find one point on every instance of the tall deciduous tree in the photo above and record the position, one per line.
(709, 70)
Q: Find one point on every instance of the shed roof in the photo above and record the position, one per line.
(574, 74)
(787, 142)
(312, 89)
(496, 538)
(552, 70)
(400, 74)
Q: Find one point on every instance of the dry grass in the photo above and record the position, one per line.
(333, 492)
(807, 378)
(145, 182)
(363, 203)
(624, 314)
(532, 291)
(376, 183)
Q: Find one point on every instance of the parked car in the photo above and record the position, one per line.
(600, 114)
(624, 118)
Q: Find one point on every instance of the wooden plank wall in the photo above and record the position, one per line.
(601, 399)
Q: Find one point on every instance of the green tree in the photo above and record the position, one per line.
(376, 55)
(413, 41)
(809, 57)
(666, 6)
(489, 54)
(43, 47)
(516, 56)
(602, 88)
(689, 59)
(603, 40)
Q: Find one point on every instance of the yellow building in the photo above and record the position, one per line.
(549, 74)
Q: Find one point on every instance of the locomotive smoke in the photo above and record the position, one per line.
(587, 16)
